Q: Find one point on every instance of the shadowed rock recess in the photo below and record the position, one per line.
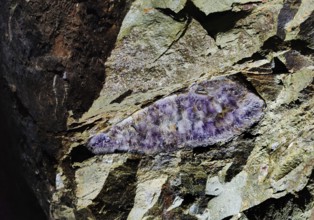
(148, 109)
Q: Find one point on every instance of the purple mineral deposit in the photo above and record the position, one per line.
(210, 112)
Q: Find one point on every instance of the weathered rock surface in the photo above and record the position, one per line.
(82, 67)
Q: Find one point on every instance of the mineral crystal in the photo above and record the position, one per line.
(210, 112)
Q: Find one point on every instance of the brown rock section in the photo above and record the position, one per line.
(52, 57)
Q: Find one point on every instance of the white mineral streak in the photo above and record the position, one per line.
(59, 181)
(176, 203)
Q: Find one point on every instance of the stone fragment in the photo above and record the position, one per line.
(301, 24)
(287, 13)
(176, 203)
(229, 202)
(213, 6)
(213, 186)
(294, 84)
(147, 194)
(174, 5)
(90, 178)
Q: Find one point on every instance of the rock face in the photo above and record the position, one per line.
(80, 69)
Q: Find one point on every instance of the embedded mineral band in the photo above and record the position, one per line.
(210, 112)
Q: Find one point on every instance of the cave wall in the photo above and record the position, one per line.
(52, 56)
(17, 199)
(76, 68)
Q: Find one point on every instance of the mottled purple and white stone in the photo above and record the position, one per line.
(210, 112)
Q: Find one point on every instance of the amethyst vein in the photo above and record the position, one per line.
(213, 111)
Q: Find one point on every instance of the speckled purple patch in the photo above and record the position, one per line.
(211, 112)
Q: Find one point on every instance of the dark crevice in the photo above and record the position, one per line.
(179, 91)
(204, 149)
(212, 23)
(295, 104)
(279, 67)
(256, 56)
(286, 14)
(215, 22)
(302, 47)
(227, 218)
(306, 92)
(188, 199)
(276, 44)
(152, 101)
(239, 158)
(282, 208)
(180, 16)
(77, 127)
(80, 127)
(236, 167)
(246, 83)
(303, 97)
(122, 97)
(273, 44)
(248, 135)
(117, 196)
(17, 200)
(306, 30)
(176, 40)
(80, 154)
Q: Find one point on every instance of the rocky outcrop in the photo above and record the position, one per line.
(52, 57)
(75, 69)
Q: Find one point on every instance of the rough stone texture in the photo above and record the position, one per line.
(175, 6)
(77, 68)
(147, 194)
(214, 6)
(51, 53)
